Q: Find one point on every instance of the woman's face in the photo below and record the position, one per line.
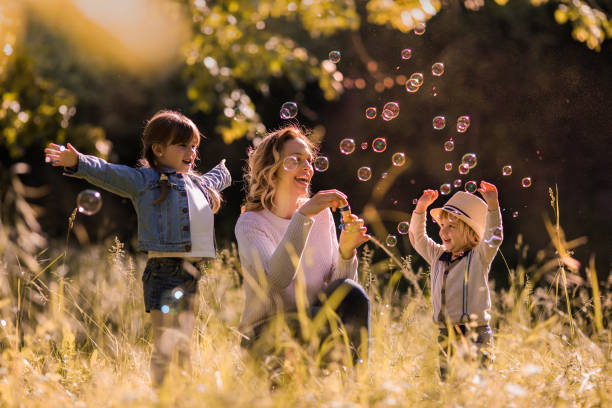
(293, 183)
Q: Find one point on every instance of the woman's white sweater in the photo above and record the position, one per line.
(275, 253)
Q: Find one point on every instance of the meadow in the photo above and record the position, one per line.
(74, 334)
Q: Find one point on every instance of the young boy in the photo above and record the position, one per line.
(471, 233)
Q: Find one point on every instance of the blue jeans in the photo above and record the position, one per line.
(353, 312)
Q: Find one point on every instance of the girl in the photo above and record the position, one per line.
(287, 241)
(471, 233)
(174, 207)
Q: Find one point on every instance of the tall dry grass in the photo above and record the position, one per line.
(75, 334)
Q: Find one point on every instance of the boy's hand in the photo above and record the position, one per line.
(62, 156)
(428, 197)
(489, 193)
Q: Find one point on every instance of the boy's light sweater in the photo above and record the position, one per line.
(272, 252)
(479, 299)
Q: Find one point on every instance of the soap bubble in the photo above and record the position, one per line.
(384, 175)
(398, 159)
(390, 111)
(379, 144)
(449, 145)
(419, 28)
(464, 168)
(457, 183)
(89, 202)
(448, 166)
(406, 53)
(370, 112)
(463, 123)
(334, 56)
(439, 122)
(470, 159)
(165, 309)
(445, 189)
(290, 163)
(515, 214)
(496, 237)
(403, 227)
(526, 182)
(411, 86)
(321, 163)
(347, 146)
(364, 173)
(434, 90)
(391, 240)
(288, 110)
(177, 293)
(471, 187)
(416, 78)
(507, 170)
(364, 145)
(437, 69)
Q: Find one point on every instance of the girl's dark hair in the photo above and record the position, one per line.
(169, 127)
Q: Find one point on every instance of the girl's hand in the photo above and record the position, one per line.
(323, 199)
(489, 193)
(352, 237)
(428, 197)
(62, 156)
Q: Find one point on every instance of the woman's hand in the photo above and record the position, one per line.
(428, 197)
(62, 156)
(322, 200)
(352, 237)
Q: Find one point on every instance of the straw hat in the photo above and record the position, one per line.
(468, 208)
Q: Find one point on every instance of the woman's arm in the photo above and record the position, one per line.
(342, 267)
(257, 250)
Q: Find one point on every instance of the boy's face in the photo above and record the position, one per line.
(453, 239)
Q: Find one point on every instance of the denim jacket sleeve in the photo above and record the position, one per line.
(218, 178)
(122, 180)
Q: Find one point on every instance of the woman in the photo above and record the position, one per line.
(291, 257)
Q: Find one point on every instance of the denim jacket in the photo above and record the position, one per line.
(161, 227)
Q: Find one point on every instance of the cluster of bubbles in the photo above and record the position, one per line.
(414, 83)
(89, 202)
(334, 56)
(288, 110)
(463, 123)
(390, 111)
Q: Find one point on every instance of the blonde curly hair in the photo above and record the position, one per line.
(264, 161)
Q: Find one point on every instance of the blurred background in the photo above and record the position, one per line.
(535, 78)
